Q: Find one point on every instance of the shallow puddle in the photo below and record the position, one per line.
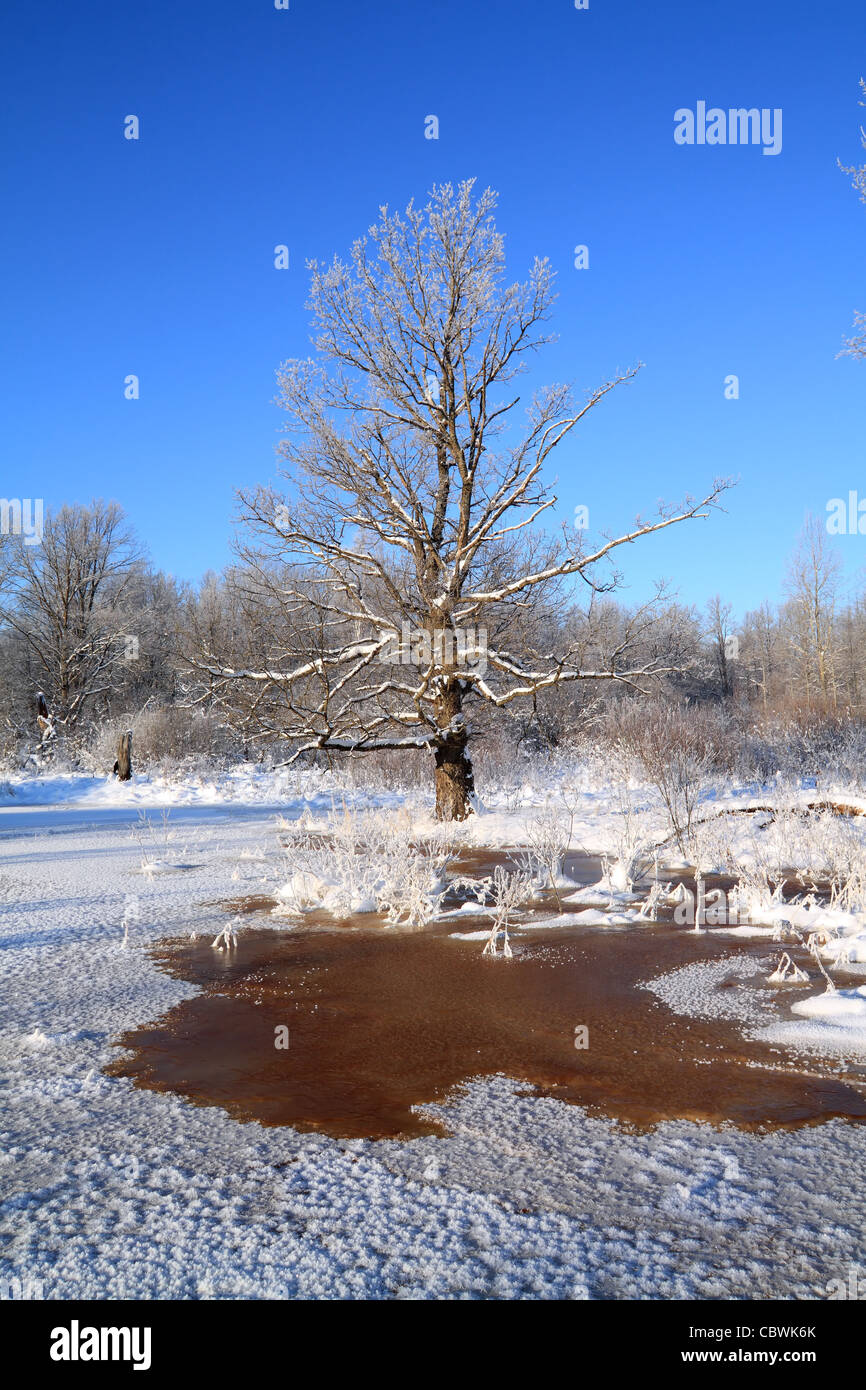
(379, 1021)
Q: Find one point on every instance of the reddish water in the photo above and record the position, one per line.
(380, 1021)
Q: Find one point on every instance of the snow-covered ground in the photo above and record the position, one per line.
(112, 1192)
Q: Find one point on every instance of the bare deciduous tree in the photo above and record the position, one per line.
(812, 584)
(762, 651)
(719, 626)
(414, 503)
(65, 605)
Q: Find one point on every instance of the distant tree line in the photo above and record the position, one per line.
(94, 640)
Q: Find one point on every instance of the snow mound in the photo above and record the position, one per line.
(844, 1006)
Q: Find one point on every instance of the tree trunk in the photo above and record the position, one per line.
(455, 784)
(123, 766)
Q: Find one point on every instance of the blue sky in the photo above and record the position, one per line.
(260, 127)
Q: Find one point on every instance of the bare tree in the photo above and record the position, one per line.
(414, 498)
(762, 650)
(812, 585)
(64, 603)
(719, 625)
(855, 346)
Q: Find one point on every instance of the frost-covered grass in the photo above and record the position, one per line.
(366, 861)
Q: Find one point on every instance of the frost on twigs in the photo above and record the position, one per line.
(154, 842)
(658, 894)
(542, 861)
(811, 944)
(373, 862)
(509, 892)
(787, 973)
(228, 937)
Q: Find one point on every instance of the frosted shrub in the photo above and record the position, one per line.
(367, 862)
(755, 897)
(631, 839)
(829, 748)
(508, 892)
(677, 749)
(153, 840)
(549, 835)
(658, 894)
(166, 737)
(776, 850)
(709, 852)
(228, 937)
(825, 850)
(787, 931)
(838, 855)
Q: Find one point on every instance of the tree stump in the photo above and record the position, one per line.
(123, 766)
(43, 719)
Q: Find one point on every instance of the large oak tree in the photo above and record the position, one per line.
(408, 553)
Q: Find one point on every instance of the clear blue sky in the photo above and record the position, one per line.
(261, 127)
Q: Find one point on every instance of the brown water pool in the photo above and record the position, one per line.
(380, 1021)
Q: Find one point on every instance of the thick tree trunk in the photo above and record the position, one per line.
(455, 784)
(123, 766)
